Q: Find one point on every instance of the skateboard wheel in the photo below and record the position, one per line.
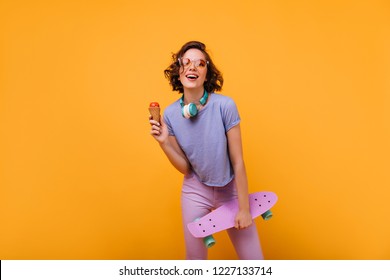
(209, 241)
(267, 215)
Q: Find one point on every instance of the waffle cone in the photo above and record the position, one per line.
(155, 112)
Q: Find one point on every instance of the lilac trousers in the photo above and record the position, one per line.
(198, 200)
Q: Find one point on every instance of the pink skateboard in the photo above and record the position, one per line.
(223, 217)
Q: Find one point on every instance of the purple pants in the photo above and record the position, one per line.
(198, 200)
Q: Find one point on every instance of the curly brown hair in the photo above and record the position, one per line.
(214, 79)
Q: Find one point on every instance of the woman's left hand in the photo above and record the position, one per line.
(243, 219)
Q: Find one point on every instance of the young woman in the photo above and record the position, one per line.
(200, 134)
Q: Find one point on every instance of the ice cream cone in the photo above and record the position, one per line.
(155, 112)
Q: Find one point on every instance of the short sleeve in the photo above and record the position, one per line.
(230, 114)
(168, 123)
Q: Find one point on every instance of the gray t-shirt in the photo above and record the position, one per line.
(203, 137)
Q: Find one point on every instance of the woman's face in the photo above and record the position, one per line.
(193, 69)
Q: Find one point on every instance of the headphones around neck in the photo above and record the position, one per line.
(190, 110)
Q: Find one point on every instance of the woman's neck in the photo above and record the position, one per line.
(193, 95)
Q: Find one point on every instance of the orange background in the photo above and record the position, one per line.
(81, 178)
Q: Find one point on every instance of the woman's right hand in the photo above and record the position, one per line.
(159, 131)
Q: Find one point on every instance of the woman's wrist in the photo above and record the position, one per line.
(164, 143)
(244, 208)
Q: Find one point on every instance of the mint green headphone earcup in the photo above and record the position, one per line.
(192, 109)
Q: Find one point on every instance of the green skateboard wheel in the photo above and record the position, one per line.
(209, 241)
(267, 215)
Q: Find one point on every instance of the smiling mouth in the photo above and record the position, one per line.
(192, 77)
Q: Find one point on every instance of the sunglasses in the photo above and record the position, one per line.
(198, 63)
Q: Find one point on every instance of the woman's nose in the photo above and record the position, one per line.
(192, 65)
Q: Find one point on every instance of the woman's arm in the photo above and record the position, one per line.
(243, 217)
(175, 155)
(170, 146)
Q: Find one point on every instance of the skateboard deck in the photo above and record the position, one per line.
(223, 217)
